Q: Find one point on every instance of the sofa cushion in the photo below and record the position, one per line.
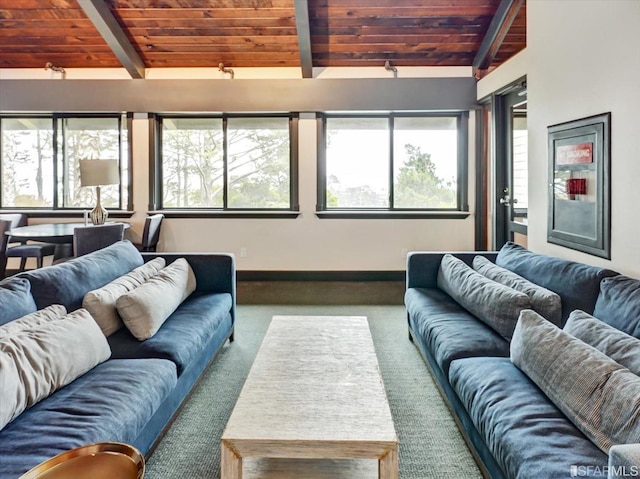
(36, 362)
(527, 434)
(112, 402)
(55, 311)
(601, 397)
(183, 334)
(494, 304)
(68, 282)
(577, 284)
(448, 330)
(619, 346)
(545, 302)
(16, 299)
(619, 304)
(101, 303)
(145, 308)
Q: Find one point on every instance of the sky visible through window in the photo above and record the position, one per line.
(28, 162)
(357, 157)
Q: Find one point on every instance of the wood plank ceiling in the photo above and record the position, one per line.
(261, 33)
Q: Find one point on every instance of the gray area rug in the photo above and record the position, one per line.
(430, 444)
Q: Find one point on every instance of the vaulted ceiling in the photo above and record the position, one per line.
(139, 34)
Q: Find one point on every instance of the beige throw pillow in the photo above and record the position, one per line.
(101, 303)
(36, 362)
(43, 316)
(147, 307)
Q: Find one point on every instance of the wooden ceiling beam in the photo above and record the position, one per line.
(505, 15)
(104, 21)
(304, 37)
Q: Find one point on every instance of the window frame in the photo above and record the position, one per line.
(460, 211)
(156, 177)
(124, 128)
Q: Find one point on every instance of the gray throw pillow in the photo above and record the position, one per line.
(494, 304)
(619, 346)
(618, 304)
(601, 397)
(545, 302)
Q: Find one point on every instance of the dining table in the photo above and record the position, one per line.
(60, 234)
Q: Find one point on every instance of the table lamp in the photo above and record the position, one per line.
(99, 173)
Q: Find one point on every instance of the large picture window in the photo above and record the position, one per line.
(226, 163)
(40, 158)
(393, 162)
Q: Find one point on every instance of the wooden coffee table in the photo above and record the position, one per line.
(313, 392)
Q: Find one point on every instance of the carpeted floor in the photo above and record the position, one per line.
(430, 445)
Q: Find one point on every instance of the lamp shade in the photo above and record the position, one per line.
(99, 172)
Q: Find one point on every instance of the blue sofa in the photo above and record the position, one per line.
(511, 427)
(133, 396)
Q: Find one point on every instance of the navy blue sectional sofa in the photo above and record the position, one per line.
(511, 427)
(133, 396)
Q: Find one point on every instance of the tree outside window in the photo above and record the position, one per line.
(226, 163)
(40, 160)
(86, 139)
(27, 162)
(392, 162)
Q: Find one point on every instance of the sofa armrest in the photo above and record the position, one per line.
(624, 461)
(215, 272)
(422, 267)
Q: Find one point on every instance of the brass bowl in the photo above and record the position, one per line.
(102, 460)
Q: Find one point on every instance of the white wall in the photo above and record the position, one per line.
(307, 242)
(584, 59)
(508, 72)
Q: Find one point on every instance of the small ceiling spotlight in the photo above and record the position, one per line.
(52, 67)
(224, 69)
(391, 68)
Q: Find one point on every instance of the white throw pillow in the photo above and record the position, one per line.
(36, 362)
(147, 307)
(43, 316)
(101, 303)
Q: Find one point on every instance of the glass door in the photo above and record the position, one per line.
(512, 167)
(517, 208)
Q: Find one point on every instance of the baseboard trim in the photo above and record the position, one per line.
(320, 275)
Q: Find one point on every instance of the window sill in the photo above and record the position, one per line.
(398, 215)
(246, 214)
(65, 213)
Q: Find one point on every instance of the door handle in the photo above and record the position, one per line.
(507, 200)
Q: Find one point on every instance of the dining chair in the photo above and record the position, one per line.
(5, 225)
(151, 233)
(26, 250)
(92, 238)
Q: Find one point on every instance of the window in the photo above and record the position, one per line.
(393, 162)
(227, 163)
(27, 148)
(40, 160)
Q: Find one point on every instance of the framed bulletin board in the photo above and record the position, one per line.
(579, 154)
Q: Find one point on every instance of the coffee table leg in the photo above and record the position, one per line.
(230, 463)
(388, 465)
